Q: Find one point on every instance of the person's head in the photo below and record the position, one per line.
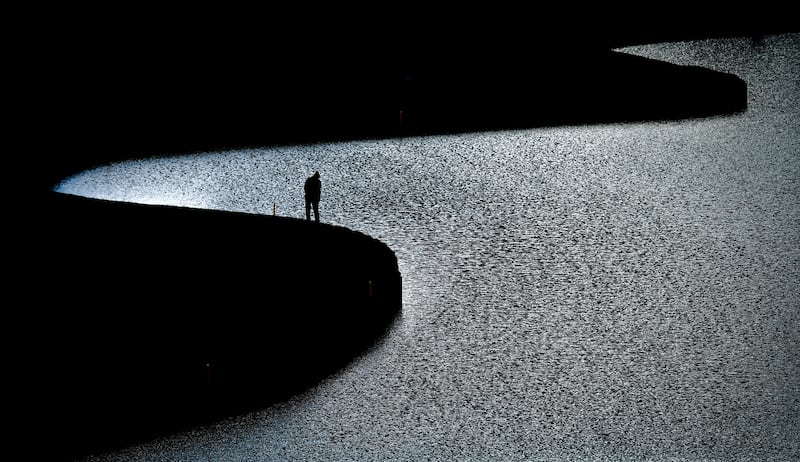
(316, 174)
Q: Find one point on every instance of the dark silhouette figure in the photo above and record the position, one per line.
(312, 188)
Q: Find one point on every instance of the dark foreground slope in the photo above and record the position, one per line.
(148, 319)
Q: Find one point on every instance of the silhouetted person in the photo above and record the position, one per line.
(312, 188)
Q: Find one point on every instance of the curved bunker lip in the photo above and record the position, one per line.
(158, 318)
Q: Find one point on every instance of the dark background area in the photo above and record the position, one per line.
(104, 84)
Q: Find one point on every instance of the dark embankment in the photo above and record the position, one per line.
(548, 89)
(439, 91)
(150, 319)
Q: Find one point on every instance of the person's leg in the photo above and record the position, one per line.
(308, 211)
(316, 212)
